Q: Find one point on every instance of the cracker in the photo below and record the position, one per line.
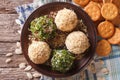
(96, 3)
(109, 11)
(107, 1)
(119, 43)
(117, 3)
(115, 39)
(97, 0)
(99, 4)
(103, 48)
(93, 11)
(106, 29)
(81, 2)
(116, 21)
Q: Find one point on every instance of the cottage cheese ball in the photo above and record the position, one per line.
(77, 42)
(39, 52)
(66, 20)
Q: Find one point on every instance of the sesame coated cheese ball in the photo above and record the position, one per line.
(39, 52)
(77, 42)
(66, 20)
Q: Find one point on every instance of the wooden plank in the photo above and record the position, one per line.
(8, 6)
(13, 74)
(7, 48)
(2, 4)
(16, 60)
(8, 28)
(10, 48)
(8, 37)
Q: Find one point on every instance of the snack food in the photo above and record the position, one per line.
(106, 29)
(119, 44)
(81, 2)
(66, 20)
(96, 3)
(109, 11)
(77, 42)
(116, 21)
(97, 0)
(103, 48)
(117, 3)
(107, 1)
(93, 11)
(115, 39)
(44, 43)
(62, 60)
(39, 52)
(43, 28)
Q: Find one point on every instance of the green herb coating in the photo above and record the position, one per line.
(43, 28)
(62, 60)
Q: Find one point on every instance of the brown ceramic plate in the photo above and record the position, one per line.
(46, 9)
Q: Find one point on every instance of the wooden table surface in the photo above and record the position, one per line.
(8, 38)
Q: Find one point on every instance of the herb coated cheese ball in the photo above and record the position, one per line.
(77, 42)
(66, 20)
(39, 52)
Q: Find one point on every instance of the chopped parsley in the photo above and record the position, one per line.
(43, 28)
(62, 60)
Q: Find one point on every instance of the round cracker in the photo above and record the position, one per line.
(109, 11)
(107, 1)
(93, 11)
(116, 21)
(103, 48)
(106, 29)
(119, 43)
(97, 1)
(117, 3)
(81, 2)
(115, 39)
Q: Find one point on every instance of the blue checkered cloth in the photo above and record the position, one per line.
(101, 68)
